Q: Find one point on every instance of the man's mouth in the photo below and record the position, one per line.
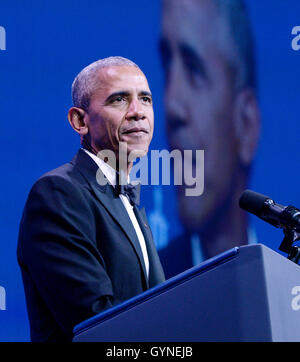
(135, 130)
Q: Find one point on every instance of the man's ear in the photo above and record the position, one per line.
(77, 118)
(246, 125)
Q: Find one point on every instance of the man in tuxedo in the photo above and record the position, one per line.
(211, 104)
(84, 245)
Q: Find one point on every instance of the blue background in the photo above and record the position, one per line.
(48, 43)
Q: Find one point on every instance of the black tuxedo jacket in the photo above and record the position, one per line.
(78, 251)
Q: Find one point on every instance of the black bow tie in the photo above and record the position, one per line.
(131, 191)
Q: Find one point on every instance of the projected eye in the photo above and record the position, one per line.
(194, 65)
(165, 54)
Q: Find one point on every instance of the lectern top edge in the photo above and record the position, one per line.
(170, 283)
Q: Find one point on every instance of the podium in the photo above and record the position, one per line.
(249, 293)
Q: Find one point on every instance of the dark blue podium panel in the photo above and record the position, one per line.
(248, 293)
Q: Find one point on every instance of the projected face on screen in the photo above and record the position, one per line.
(204, 108)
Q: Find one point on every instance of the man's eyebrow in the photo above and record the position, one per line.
(117, 94)
(145, 93)
(126, 94)
(192, 60)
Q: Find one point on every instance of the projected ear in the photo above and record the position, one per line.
(77, 120)
(247, 125)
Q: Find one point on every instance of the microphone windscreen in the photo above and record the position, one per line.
(252, 202)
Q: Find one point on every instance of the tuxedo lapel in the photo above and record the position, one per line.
(112, 203)
(156, 273)
(115, 207)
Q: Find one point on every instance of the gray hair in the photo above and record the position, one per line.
(239, 33)
(84, 84)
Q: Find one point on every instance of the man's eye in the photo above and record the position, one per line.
(119, 99)
(147, 99)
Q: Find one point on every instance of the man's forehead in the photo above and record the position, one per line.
(191, 8)
(206, 36)
(112, 76)
(193, 21)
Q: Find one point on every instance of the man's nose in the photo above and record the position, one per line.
(135, 111)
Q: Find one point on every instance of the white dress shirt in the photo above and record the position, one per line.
(110, 174)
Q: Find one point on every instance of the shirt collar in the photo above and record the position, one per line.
(108, 171)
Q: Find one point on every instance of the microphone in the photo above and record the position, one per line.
(285, 217)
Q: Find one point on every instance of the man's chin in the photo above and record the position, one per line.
(195, 213)
(134, 153)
